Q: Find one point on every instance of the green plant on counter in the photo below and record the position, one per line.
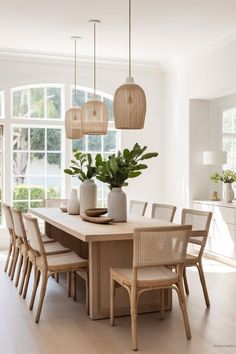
(227, 176)
(126, 164)
(81, 166)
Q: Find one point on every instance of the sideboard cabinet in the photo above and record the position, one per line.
(222, 234)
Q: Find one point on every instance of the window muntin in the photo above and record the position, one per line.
(36, 165)
(37, 102)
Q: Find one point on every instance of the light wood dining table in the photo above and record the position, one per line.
(105, 246)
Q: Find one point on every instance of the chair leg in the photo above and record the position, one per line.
(8, 258)
(203, 282)
(185, 281)
(182, 304)
(29, 268)
(35, 287)
(57, 277)
(112, 301)
(133, 312)
(12, 260)
(42, 295)
(24, 272)
(162, 303)
(19, 270)
(14, 263)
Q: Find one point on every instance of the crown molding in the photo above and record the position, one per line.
(10, 54)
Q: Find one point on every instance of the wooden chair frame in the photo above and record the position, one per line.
(172, 208)
(198, 237)
(140, 203)
(135, 291)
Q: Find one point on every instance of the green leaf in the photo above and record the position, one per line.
(134, 174)
(69, 172)
(149, 155)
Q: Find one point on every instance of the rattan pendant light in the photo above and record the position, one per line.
(73, 124)
(94, 112)
(129, 103)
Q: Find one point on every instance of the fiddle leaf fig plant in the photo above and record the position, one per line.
(227, 176)
(126, 164)
(81, 166)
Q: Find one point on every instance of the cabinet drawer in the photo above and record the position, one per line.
(203, 207)
(224, 214)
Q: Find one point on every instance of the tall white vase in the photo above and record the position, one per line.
(73, 203)
(88, 195)
(117, 205)
(228, 193)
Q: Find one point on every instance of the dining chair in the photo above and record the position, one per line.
(154, 250)
(137, 207)
(54, 203)
(27, 254)
(48, 265)
(12, 244)
(200, 221)
(163, 211)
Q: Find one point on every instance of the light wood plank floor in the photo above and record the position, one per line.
(65, 328)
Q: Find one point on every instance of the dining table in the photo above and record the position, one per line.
(105, 246)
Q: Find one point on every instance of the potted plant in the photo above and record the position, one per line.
(82, 167)
(227, 177)
(116, 171)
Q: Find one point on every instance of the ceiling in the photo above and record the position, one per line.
(163, 30)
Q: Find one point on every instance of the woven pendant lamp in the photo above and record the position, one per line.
(94, 112)
(129, 103)
(73, 124)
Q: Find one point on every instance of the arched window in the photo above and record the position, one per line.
(39, 150)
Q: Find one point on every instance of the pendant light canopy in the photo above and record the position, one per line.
(129, 103)
(73, 123)
(94, 112)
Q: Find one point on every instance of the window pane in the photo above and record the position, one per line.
(79, 99)
(37, 103)
(53, 187)
(54, 139)
(94, 143)
(20, 138)
(37, 189)
(54, 102)
(23, 206)
(109, 104)
(36, 204)
(37, 163)
(20, 189)
(110, 141)
(91, 95)
(20, 103)
(20, 163)
(53, 164)
(79, 144)
(37, 139)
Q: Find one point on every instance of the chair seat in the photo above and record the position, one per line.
(147, 276)
(66, 262)
(191, 260)
(47, 239)
(55, 248)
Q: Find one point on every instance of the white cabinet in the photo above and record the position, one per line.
(222, 234)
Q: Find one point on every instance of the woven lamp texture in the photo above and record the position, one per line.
(129, 107)
(94, 118)
(73, 124)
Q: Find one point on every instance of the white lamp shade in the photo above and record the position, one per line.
(73, 124)
(129, 107)
(94, 115)
(214, 157)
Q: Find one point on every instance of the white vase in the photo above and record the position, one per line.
(88, 195)
(228, 193)
(73, 203)
(117, 205)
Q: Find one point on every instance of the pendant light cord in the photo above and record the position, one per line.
(75, 72)
(129, 38)
(94, 59)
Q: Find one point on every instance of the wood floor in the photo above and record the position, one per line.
(65, 328)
